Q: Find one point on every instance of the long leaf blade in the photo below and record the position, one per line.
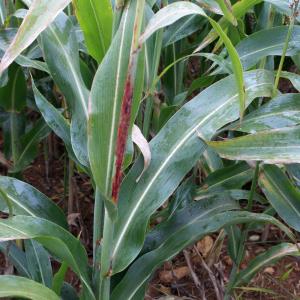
(40, 15)
(282, 194)
(15, 286)
(272, 146)
(173, 155)
(95, 18)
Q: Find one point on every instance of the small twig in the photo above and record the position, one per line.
(194, 275)
(211, 276)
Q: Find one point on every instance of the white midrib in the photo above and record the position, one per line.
(260, 50)
(73, 72)
(164, 20)
(271, 114)
(267, 261)
(115, 101)
(24, 234)
(286, 198)
(179, 145)
(39, 264)
(12, 199)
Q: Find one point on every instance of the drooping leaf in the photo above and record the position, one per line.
(272, 146)
(181, 29)
(191, 231)
(193, 210)
(27, 200)
(143, 145)
(15, 286)
(54, 238)
(174, 153)
(283, 111)
(60, 48)
(268, 257)
(175, 11)
(282, 194)
(41, 13)
(95, 18)
(55, 121)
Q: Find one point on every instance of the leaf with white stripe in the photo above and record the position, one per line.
(271, 146)
(105, 102)
(175, 150)
(54, 238)
(282, 111)
(269, 257)
(39, 264)
(41, 13)
(61, 53)
(282, 194)
(27, 200)
(267, 42)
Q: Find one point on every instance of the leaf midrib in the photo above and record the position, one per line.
(155, 176)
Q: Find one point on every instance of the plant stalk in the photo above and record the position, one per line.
(108, 230)
(98, 223)
(285, 48)
(244, 229)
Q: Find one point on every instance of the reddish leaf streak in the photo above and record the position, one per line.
(122, 136)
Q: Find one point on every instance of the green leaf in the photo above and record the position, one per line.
(181, 29)
(54, 238)
(55, 121)
(190, 231)
(27, 200)
(39, 264)
(192, 211)
(16, 257)
(268, 257)
(105, 102)
(13, 95)
(272, 146)
(174, 153)
(226, 8)
(2, 13)
(293, 78)
(60, 48)
(232, 177)
(282, 194)
(173, 12)
(40, 15)
(29, 145)
(14, 286)
(95, 18)
(265, 43)
(282, 111)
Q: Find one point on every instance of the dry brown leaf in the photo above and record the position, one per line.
(178, 273)
(205, 245)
